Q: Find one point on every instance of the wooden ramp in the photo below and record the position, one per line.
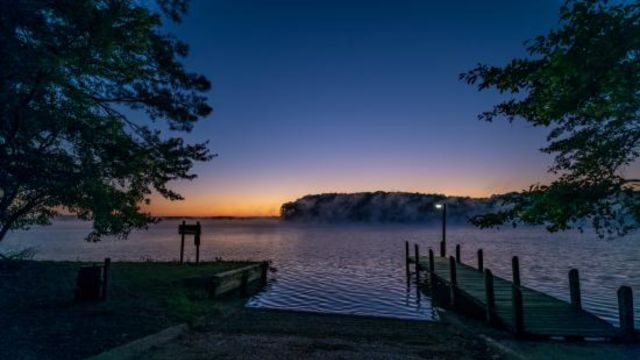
(516, 308)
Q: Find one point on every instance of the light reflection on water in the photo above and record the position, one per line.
(359, 269)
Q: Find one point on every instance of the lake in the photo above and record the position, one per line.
(359, 269)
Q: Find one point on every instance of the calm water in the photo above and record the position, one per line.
(360, 269)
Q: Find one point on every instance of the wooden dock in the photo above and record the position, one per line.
(474, 291)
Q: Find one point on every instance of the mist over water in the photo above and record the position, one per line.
(359, 269)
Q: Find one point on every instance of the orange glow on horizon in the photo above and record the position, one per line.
(245, 205)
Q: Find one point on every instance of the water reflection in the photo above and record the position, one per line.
(360, 269)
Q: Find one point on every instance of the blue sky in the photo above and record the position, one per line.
(341, 96)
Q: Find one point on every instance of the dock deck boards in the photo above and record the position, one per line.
(544, 315)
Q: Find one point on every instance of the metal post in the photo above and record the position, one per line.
(480, 260)
(444, 230)
(458, 260)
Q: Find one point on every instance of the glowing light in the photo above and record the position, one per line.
(438, 206)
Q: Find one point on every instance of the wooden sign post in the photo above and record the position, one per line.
(194, 230)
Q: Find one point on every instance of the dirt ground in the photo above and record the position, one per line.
(271, 334)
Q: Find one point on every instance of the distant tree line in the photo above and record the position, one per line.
(383, 207)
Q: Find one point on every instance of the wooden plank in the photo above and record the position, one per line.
(543, 315)
(231, 280)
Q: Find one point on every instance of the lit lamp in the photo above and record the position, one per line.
(443, 243)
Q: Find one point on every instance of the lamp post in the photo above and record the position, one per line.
(443, 243)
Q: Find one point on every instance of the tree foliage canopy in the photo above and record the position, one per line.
(582, 81)
(71, 71)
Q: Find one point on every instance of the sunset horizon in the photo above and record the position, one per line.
(319, 179)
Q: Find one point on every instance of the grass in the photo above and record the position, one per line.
(40, 319)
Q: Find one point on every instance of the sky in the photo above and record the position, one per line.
(347, 96)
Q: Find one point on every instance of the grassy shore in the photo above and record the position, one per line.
(40, 319)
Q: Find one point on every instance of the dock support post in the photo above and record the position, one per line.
(458, 254)
(184, 223)
(417, 262)
(480, 260)
(574, 289)
(443, 249)
(406, 258)
(490, 296)
(432, 269)
(453, 280)
(625, 310)
(518, 311)
(515, 268)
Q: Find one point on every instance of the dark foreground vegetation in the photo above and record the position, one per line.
(40, 319)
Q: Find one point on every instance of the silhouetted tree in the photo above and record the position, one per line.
(71, 71)
(582, 81)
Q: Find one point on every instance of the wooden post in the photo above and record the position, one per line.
(265, 270)
(453, 280)
(515, 268)
(518, 310)
(417, 261)
(490, 296)
(197, 242)
(480, 260)
(406, 258)
(182, 243)
(458, 254)
(443, 249)
(432, 268)
(105, 277)
(625, 310)
(244, 287)
(574, 289)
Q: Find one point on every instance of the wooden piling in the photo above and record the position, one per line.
(518, 310)
(574, 289)
(184, 223)
(480, 260)
(625, 310)
(515, 269)
(453, 280)
(432, 269)
(443, 249)
(244, 284)
(490, 297)
(406, 258)
(264, 270)
(458, 260)
(417, 261)
(197, 242)
(502, 303)
(105, 278)
(431, 261)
